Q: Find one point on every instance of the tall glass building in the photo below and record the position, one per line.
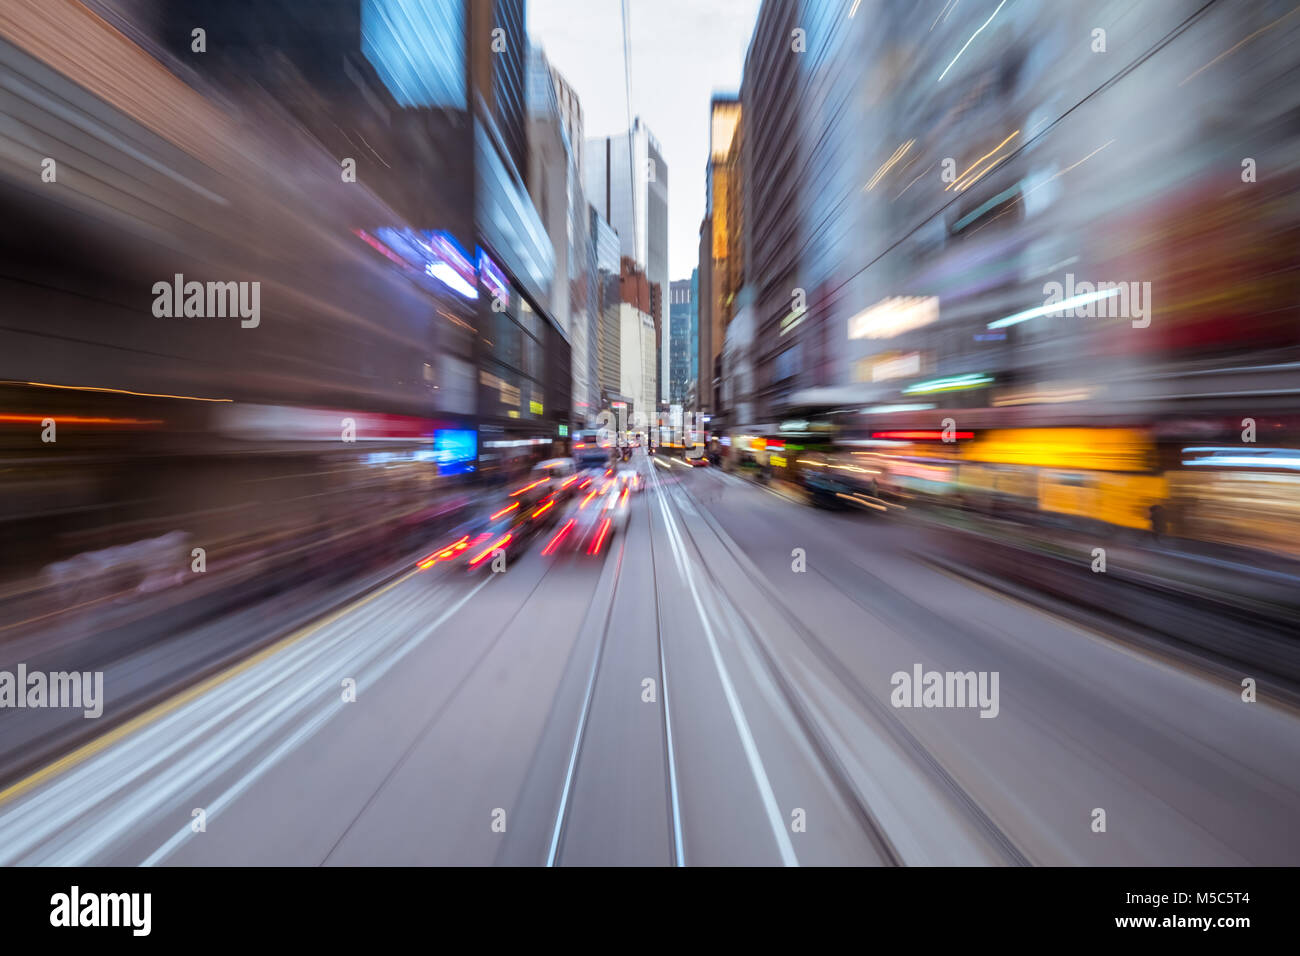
(682, 320)
(627, 182)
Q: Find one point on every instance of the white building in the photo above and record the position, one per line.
(639, 378)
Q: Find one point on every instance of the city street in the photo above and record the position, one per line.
(513, 434)
(688, 697)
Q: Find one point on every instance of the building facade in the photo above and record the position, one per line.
(547, 178)
(719, 245)
(923, 183)
(639, 371)
(605, 247)
(627, 182)
(682, 319)
(639, 381)
(773, 82)
(584, 305)
(556, 186)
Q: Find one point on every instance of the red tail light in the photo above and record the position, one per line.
(484, 554)
(600, 538)
(558, 537)
(447, 552)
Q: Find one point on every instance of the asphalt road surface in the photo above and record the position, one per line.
(715, 689)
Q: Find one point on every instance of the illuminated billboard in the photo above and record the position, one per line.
(493, 279)
(436, 254)
(454, 449)
(894, 316)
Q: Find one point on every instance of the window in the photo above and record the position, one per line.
(788, 364)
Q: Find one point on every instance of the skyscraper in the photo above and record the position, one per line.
(525, 367)
(693, 379)
(702, 360)
(584, 299)
(682, 332)
(719, 241)
(498, 58)
(772, 88)
(426, 103)
(627, 181)
(547, 176)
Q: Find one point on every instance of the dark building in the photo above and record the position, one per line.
(340, 72)
(524, 358)
(498, 46)
(774, 160)
(429, 101)
(705, 400)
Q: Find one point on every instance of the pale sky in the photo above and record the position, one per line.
(682, 52)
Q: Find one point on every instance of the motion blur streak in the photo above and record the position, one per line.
(978, 387)
(487, 552)
(559, 537)
(600, 537)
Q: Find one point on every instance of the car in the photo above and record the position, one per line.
(550, 479)
(561, 476)
(555, 467)
(836, 482)
(507, 528)
(598, 510)
(630, 476)
(619, 506)
(510, 522)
